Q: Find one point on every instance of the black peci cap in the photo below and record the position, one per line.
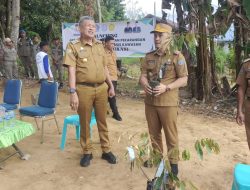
(43, 43)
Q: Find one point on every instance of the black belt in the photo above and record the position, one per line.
(90, 84)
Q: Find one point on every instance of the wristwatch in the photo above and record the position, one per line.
(72, 90)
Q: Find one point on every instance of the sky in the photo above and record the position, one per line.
(147, 6)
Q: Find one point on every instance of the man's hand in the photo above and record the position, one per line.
(111, 92)
(148, 89)
(74, 101)
(50, 79)
(240, 118)
(160, 89)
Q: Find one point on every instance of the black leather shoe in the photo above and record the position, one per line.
(109, 157)
(174, 169)
(117, 117)
(85, 161)
(60, 86)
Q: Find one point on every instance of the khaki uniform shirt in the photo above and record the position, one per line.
(24, 47)
(243, 78)
(170, 67)
(9, 54)
(57, 53)
(111, 64)
(89, 60)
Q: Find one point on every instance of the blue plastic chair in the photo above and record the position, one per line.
(241, 177)
(46, 105)
(12, 95)
(74, 120)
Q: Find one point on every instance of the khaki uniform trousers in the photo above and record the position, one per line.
(10, 69)
(89, 98)
(165, 117)
(58, 71)
(247, 121)
(27, 64)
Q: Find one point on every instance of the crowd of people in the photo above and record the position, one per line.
(28, 52)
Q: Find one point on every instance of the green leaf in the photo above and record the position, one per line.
(246, 6)
(192, 186)
(199, 149)
(159, 182)
(186, 155)
(182, 186)
(167, 165)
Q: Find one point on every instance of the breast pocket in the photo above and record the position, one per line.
(151, 64)
(83, 59)
(170, 67)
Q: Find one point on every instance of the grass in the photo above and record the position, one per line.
(128, 87)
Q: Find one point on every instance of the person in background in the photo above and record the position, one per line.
(42, 62)
(36, 49)
(128, 28)
(243, 98)
(136, 28)
(57, 59)
(89, 86)
(163, 72)
(109, 44)
(10, 59)
(25, 53)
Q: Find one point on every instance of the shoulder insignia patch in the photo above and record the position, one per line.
(181, 62)
(75, 41)
(98, 41)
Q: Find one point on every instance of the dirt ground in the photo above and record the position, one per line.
(50, 168)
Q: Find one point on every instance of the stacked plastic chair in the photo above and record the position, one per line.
(74, 120)
(241, 177)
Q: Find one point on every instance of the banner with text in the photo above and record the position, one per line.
(132, 39)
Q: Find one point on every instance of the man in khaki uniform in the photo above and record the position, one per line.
(90, 85)
(163, 72)
(57, 57)
(10, 59)
(243, 82)
(112, 67)
(25, 53)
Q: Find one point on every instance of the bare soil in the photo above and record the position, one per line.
(50, 168)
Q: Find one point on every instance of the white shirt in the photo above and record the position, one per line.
(42, 62)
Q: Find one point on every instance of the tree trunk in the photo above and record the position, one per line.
(15, 20)
(8, 18)
(215, 81)
(203, 67)
(238, 43)
(89, 4)
(180, 19)
(237, 49)
(199, 73)
(2, 31)
(212, 59)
